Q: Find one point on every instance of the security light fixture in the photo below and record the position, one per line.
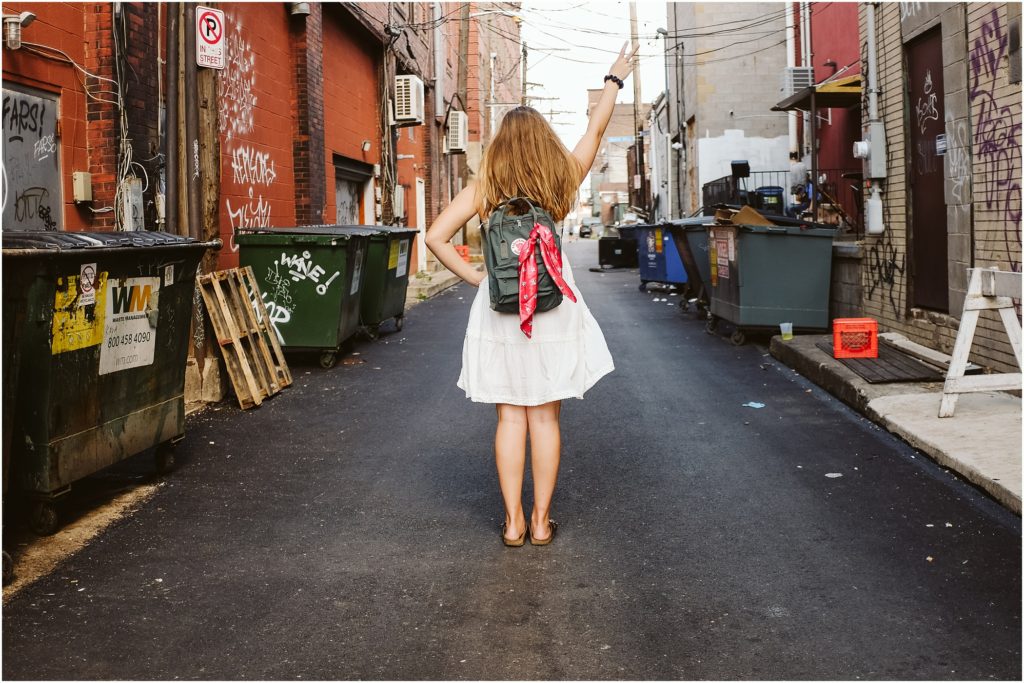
(12, 28)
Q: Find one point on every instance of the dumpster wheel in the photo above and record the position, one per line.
(711, 325)
(42, 518)
(164, 458)
(399, 322)
(738, 338)
(328, 359)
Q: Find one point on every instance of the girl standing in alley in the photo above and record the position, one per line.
(527, 377)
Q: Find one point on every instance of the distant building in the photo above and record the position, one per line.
(719, 81)
(610, 178)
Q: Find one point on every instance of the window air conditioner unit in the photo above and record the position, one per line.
(458, 132)
(796, 78)
(408, 101)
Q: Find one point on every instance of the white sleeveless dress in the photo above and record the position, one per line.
(565, 357)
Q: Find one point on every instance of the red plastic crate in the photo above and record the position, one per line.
(855, 338)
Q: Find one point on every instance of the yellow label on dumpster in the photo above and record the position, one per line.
(77, 326)
(658, 240)
(393, 255)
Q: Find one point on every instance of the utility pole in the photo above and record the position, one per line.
(463, 98)
(637, 126)
(524, 75)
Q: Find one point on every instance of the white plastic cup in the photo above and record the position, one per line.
(787, 331)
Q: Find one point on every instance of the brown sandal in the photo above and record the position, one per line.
(553, 525)
(513, 542)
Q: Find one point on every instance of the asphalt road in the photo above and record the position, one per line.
(349, 528)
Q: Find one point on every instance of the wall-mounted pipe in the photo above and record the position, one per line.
(195, 216)
(171, 123)
(877, 158)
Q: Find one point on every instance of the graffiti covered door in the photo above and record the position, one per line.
(929, 241)
(31, 188)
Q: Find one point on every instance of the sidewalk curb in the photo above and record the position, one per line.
(878, 403)
(423, 289)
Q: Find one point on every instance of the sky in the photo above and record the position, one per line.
(588, 36)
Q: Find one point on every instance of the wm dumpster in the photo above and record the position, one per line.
(104, 332)
(311, 279)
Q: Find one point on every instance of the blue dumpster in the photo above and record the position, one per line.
(658, 256)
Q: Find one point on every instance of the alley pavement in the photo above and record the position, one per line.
(349, 528)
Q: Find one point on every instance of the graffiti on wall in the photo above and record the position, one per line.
(237, 91)
(909, 10)
(925, 108)
(958, 157)
(30, 189)
(252, 170)
(996, 135)
(885, 265)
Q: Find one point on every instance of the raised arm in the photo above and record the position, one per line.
(450, 221)
(586, 150)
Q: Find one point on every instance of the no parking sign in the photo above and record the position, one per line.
(210, 37)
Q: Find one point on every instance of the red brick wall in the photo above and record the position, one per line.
(61, 26)
(308, 147)
(256, 119)
(352, 68)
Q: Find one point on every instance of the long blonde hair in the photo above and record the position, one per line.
(526, 159)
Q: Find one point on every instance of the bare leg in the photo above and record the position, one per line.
(545, 454)
(510, 456)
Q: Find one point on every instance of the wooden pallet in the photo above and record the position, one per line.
(251, 351)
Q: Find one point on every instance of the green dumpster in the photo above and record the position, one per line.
(764, 275)
(100, 354)
(387, 277)
(310, 278)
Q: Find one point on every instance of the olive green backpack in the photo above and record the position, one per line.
(504, 236)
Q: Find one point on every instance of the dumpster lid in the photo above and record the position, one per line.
(394, 229)
(66, 241)
(316, 230)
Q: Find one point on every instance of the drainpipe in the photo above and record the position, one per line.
(805, 61)
(876, 135)
(195, 216)
(171, 117)
(794, 144)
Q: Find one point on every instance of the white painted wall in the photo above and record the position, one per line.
(715, 154)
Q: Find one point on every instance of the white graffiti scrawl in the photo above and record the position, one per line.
(237, 91)
(302, 268)
(251, 167)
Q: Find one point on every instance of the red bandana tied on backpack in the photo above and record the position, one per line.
(528, 274)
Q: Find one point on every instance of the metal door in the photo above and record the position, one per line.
(929, 246)
(30, 184)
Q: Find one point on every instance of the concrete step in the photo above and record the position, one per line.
(424, 285)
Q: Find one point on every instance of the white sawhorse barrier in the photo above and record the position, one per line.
(989, 289)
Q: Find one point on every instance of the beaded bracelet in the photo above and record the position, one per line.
(614, 79)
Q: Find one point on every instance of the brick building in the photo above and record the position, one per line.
(950, 100)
